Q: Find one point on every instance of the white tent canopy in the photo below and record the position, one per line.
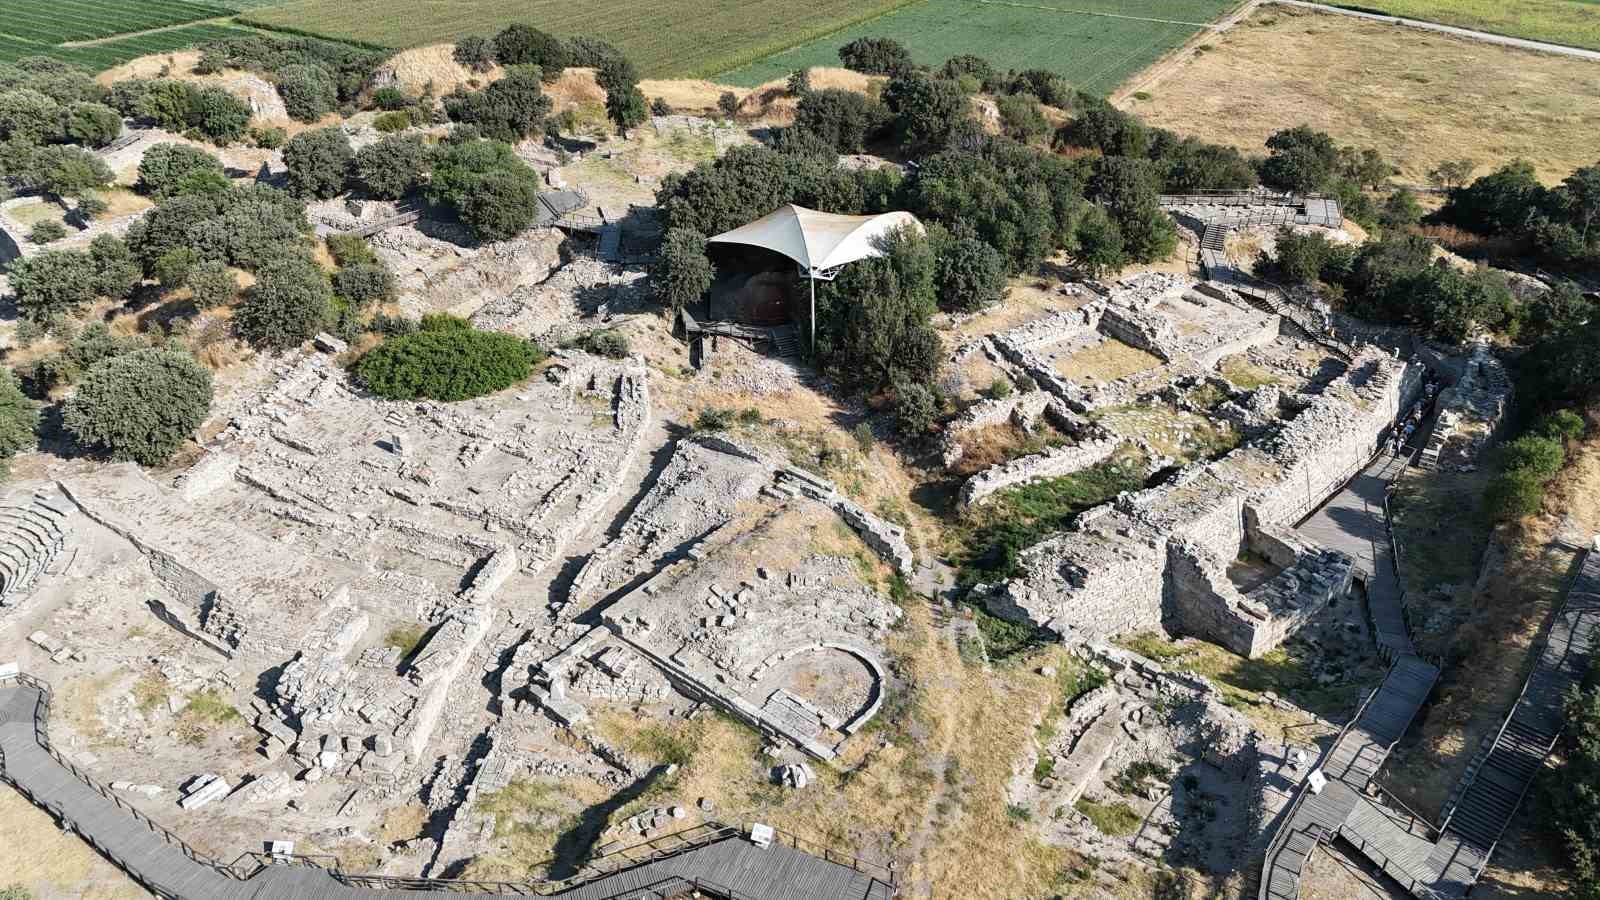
(820, 242)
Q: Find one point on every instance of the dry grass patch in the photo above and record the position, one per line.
(934, 798)
(51, 864)
(420, 68)
(1244, 374)
(995, 444)
(1419, 98)
(1441, 528)
(1108, 360)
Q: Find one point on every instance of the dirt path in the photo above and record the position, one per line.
(94, 42)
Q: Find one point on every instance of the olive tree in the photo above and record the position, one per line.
(140, 406)
(392, 167)
(318, 162)
(683, 272)
(19, 419)
(167, 168)
(53, 282)
(287, 305)
(308, 92)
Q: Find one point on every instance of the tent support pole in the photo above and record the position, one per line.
(813, 281)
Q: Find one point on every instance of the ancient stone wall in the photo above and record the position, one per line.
(1055, 463)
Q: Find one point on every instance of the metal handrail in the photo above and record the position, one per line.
(1282, 837)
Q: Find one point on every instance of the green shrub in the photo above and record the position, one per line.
(364, 284)
(714, 419)
(350, 250)
(446, 359)
(308, 92)
(91, 124)
(318, 162)
(1541, 456)
(270, 137)
(47, 232)
(19, 419)
(140, 406)
(683, 272)
(475, 53)
(1561, 425)
(390, 98)
(392, 167)
(220, 116)
(391, 122)
(168, 167)
(916, 406)
(213, 285)
(53, 282)
(1514, 494)
(603, 342)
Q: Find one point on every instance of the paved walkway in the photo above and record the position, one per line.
(727, 864)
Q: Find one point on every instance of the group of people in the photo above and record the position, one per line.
(1408, 425)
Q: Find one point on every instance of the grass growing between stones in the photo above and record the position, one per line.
(996, 444)
(406, 638)
(1177, 433)
(923, 786)
(989, 537)
(1441, 527)
(1287, 671)
(1244, 374)
(530, 815)
(1115, 819)
(1108, 360)
(206, 714)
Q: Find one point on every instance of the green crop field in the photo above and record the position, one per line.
(1095, 44)
(1575, 23)
(99, 34)
(664, 38)
(64, 21)
(105, 54)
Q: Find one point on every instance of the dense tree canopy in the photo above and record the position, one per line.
(319, 162)
(172, 168)
(508, 110)
(392, 167)
(19, 420)
(287, 305)
(308, 91)
(446, 359)
(876, 56)
(140, 406)
(683, 273)
(872, 321)
(490, 187)
(929, 113)
(842, 119)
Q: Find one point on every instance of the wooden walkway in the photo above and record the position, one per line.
(1429, 861)
(726, 864)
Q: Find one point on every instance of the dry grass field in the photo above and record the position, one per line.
(1419, 98)
(1572, 22)
(48, 862)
